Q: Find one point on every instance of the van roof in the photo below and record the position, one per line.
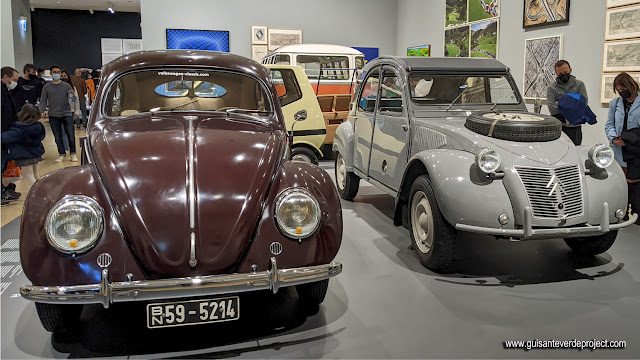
(419, 63)
(317, 49)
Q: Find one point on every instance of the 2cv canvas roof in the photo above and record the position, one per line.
(419, 63)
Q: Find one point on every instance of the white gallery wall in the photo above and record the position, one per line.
(421, 22)
(367, 23)
(6, 33)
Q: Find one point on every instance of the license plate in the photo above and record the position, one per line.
(194, 312)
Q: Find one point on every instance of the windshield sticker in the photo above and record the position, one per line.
(172, 73)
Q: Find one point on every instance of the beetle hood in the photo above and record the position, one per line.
(147, 163)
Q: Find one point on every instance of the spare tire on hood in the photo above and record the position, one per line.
(515, 126)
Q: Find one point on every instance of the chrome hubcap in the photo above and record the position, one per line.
(341, 173)
(422, 222)
(301, 158)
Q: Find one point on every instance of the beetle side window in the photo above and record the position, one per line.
(391, 94)
(286, 85)
(367, 100)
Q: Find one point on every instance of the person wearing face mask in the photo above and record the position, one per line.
(9, 117)
(27, 90)
(565, 84)
(56, 95)
(623, 130)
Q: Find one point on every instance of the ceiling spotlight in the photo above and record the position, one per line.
(110, 8)
(33, 9)
(91, 11)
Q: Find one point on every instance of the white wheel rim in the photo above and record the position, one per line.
(513, 116)
(422, 222)
(341, 173)
(301, 158)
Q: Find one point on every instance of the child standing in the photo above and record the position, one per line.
(24, 142)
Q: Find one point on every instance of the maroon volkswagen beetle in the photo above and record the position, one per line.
(186, 196)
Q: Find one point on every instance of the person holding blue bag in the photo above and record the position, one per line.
(623, 131)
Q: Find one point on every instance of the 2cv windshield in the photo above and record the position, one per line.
(184, 90)
(464, 89)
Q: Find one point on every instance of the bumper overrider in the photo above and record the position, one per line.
(107, 292)
(528, 232)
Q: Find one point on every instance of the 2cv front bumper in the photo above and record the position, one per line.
(528, 232)
(106, 292)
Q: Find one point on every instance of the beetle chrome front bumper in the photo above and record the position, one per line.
(106, 292)
(528, 232)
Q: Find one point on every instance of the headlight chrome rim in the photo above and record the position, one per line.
(599, 149)
(484, 152)
(280, 201)
(74, 200)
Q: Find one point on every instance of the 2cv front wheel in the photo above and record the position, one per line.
(55, 317)
(347, 182)
(432, 236)
(593, 245)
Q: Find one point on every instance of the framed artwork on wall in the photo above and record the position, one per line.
(258, 52)
(622, 23)
(259, 35)
(216, 40)
(131, 45)
(456, 13)
(483, 9)
(484, 39)
(282, 37)
(545, 12)
(423, 50)
(456, 42)
(111, 46)
(606, 87)
(621, 56)
(540, 57)
(370, 53)
(616, 3)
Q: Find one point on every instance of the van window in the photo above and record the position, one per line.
(334, 67)
(282, 59)
(287, 86)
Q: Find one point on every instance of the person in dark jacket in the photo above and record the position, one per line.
(27, 90)
(9, 81)
(565, 83)
(24, 142)
(622, 129)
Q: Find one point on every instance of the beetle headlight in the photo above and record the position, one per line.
(601, 155)
(74, 224)
(297, 213)
(488, 160)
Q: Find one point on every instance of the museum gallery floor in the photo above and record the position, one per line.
(385, 304)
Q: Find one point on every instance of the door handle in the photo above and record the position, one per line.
(405, 127)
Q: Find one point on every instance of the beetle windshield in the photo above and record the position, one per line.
(478, 89)
(158, 90)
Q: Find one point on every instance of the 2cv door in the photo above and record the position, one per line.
(390, 132)
(364, 118)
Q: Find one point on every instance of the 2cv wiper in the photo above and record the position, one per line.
(495, 104)
(464, 87)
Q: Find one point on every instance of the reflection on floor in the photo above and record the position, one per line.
(48, 165)
(383, 305)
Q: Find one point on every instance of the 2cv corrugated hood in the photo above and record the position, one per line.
(144, 164)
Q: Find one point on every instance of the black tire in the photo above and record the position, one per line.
(311, 295)
(437, 254)
(594, 245)
(304, 154)
(347, 182)
(513, 127)
(55, 317)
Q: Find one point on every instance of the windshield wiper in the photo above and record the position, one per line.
(465, 87)
(248, 111)
(495, 104)
(174, 107)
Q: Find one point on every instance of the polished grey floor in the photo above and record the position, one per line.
(383, 305)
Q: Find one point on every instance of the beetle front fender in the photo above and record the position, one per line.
(464, 194)
(343, 143)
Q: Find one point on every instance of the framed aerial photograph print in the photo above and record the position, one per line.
(456, 13)
(622, 23)
(545, 12)
(540, 57)
(456, 42)
(606, 88)
(259, 35)
(483, 9)
(484, 39)
(282, 37)
(621, 56)
(616, 3)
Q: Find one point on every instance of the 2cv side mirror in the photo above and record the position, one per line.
(300, 115)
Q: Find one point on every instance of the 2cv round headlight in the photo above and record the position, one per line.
(297, 213)
(488, 160)
(601, 155)
(74, 224)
